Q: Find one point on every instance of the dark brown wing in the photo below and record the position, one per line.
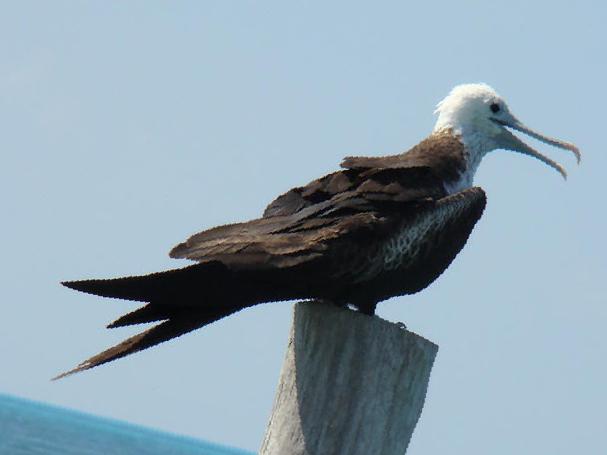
(336, 250)
(401, 184)
(282, 241)
(317, 191)
(298, 225)
(418, 173)
(377, 162)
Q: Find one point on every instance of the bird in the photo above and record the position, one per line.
(377, 228)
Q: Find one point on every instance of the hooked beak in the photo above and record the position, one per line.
(508, 141)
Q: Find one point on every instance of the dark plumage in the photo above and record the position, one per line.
(380, 227)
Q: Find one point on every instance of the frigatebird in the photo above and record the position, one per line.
(380, 227)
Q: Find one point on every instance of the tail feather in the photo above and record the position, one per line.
(185, 299)
(149, 313)
(160, 333)
(162, 286)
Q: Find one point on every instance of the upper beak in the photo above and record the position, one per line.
(509, 141)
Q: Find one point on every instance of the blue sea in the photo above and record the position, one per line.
(30, 428)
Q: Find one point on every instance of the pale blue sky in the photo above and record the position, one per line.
(127, 126)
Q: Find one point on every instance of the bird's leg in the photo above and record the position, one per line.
(367, 307)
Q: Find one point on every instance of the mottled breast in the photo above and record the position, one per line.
(424, 245)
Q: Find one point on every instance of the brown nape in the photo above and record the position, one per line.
(441, 152)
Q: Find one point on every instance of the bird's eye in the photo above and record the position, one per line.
(495, 108)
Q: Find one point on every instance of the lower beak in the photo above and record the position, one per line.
(509, 141)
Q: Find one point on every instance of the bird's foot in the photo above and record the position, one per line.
(367, 308)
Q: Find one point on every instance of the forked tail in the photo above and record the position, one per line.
(184, 299)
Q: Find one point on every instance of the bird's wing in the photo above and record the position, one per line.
(419, 172)
(401, 161)
(315, 192)
(298, 225)
(405, 178)
(279, 242)
(227, 254)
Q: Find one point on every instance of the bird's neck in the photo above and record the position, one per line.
(476, 146)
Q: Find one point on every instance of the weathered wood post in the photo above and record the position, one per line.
(350, 384)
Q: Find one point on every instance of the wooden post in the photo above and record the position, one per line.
(350, 384)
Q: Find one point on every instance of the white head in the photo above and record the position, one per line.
(480, 116)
